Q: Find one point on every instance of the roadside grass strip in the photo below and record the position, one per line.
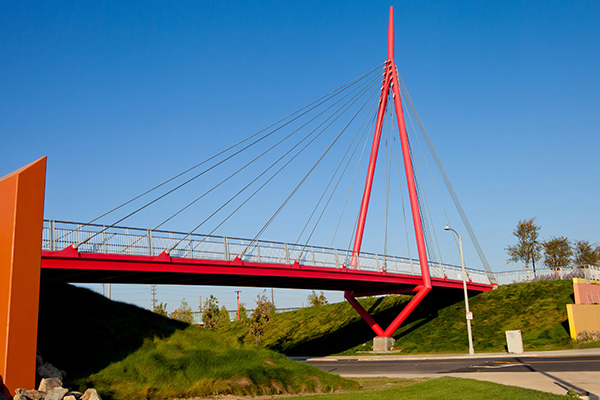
(446, 388)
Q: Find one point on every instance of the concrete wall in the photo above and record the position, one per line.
(584, 315)
(586, 291)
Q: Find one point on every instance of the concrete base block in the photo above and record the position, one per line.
(382, 344)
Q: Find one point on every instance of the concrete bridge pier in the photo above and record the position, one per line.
(382, 344)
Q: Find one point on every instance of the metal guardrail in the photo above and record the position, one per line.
(58, 235)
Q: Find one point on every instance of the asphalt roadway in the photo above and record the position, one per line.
(550, 371)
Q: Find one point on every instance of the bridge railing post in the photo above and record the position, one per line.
(337, 259)
(104, 239)
(52, 236)
(150, 243)
(287, 254)
(226, 244)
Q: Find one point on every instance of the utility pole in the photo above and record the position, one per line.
(153, 290)
(237, 292)
(272, 298)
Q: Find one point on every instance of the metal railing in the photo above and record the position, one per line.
(92, 238)
(546, 274)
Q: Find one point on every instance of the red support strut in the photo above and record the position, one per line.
(391, 80)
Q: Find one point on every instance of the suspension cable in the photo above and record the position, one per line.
(367, 83)
(319, 101)
(403, 205)
(301, 183)
(436, 190)
(446, 180)
(369, 128)
(335, 173)
(340, 177)
(387, 176)
(347, 105)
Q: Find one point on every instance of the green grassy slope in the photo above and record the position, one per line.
(538, 309)
(82, 332)
(130, 353)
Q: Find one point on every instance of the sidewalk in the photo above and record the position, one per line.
(554, 382)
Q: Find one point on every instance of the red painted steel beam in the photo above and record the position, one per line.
(364, 314)
(71, 261)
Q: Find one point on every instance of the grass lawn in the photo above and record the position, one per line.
(446, 388)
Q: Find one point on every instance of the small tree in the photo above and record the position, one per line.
(243, 313)
(260, 317)
(210, 315)
(586, 254)
(183, 313)
(161, 309)
(557, 252)
(224, 316)
(528, 248)
(315, 300)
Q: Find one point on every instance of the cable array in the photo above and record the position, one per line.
(306, 158)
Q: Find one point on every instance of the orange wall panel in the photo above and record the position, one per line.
(583, 317)
(21, 218)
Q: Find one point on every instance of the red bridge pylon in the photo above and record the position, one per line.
(391, 82)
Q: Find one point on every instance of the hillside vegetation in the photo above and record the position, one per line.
(129, 353)
(438, 325)
(126, 352)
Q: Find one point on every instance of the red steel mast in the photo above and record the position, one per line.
(390, 81)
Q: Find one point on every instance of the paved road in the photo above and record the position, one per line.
(365, 366)
(552, 371)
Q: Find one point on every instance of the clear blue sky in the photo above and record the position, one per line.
(122, 95)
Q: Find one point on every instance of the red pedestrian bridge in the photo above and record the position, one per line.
(112, 253)
(132, 255)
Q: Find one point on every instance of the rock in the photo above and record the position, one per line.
(90, 394)
(47, 370)
(31, 394)
(70, 397)
(47, 384)
(75, 394)
(56, 394)
(20, 397)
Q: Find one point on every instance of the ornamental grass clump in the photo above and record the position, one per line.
(198, 362)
